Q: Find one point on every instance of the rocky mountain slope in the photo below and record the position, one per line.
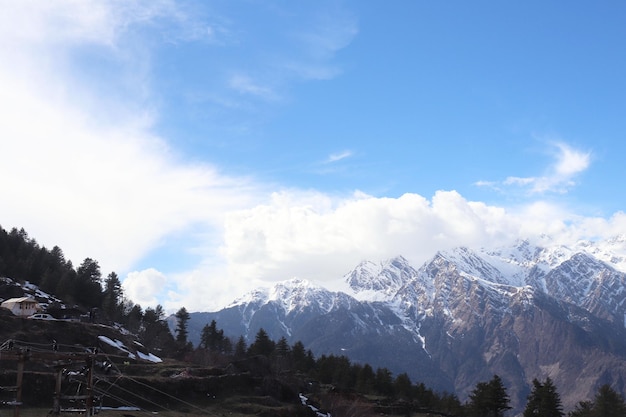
(524, 311)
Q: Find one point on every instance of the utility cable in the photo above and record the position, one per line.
(117, 386)
(166, 394)
(125, 402)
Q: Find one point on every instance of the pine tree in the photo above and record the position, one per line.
(240, 348)
(489, 399)
(544, 400)
(262, 345)
(88, 289)
(112, 296)
(402, 386)
(608, 403)
(383, 382)
(182, 318)
(583, 409)
(155, 332)
(303, 359)
(133, 315)
(365, 379)
(212, 338)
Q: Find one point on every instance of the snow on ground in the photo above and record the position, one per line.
(119, 345)
(149, 357)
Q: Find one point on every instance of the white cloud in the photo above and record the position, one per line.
(82, 185)
(83, 170)
(570, 161)
(338, 156)
(559, 177)
(329, 33)
(78, 22)
(144, 287)
(244, 84)
(319, 44)
(317, 237)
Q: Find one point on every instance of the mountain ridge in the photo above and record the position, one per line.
(523, 311)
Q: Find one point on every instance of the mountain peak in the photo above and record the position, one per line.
(377, 282)
(470, 263)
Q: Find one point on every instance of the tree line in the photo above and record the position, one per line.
(487, 399)
(23, 259)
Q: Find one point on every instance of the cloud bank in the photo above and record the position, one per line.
(315, 236)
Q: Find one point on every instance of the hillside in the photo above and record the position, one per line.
(128, 378)
(264, 379)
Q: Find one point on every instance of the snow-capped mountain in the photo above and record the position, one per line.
(371, 281)
(524, 311)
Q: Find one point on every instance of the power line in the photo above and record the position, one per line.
(63, 356)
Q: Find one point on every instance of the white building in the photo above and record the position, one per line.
(22, 306)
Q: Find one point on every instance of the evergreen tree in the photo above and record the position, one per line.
(544, 400)
(182, 319)
(303, 360)
(324, 369)
(133, 315)
(22, 259)
(450, 404)
(383, 381)
(155, 332)
(212, 338)
(583, 409)
(282, 347)
(112, 297)
(241, 348)
(281, 357)
(343, 375)
(65, 287)
(489, 399)
(365, 379)
(262, 345)
(159, 312)
(424, 396)
(608, 403)
(87, 288)
(227, 346)
(208, 336)
(150, 316)
(402, 386)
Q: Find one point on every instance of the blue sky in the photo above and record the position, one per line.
(202, 148)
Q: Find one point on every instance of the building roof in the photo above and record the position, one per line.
(20, 300)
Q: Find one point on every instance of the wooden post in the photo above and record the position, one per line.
(89, 403)
(56, 406)
(20, 379)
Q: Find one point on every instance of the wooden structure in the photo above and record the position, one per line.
(61, 362)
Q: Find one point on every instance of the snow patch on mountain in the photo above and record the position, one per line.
(611, 251)
(586, 274)
(298, 293)
(290, 296)
(377, 282)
